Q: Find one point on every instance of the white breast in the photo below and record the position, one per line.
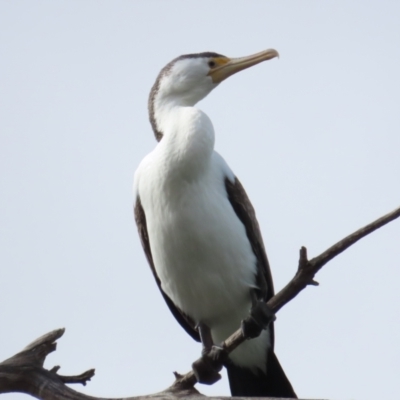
(199, 246)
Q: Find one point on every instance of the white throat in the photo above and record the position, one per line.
(188, 139)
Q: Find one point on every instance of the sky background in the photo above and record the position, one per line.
(314, 137)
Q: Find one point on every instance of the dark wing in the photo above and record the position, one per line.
(182, 318)
(245, 212)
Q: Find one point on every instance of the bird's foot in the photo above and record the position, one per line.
(207, 367)
(258, 320)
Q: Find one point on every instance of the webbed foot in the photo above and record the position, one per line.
(258, 320)
(207, 367)
(212, 359)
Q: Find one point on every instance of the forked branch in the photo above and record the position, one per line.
(24, 372)
(304, 277)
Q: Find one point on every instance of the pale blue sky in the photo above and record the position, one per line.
(314, 138)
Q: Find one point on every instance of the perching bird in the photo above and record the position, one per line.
(198, 227)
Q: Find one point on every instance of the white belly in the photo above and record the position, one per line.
(205, 263)
(202, 254)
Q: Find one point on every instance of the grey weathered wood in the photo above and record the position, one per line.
(24, 371)
(303, 277)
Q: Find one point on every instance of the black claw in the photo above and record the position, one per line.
(207, 367)
(258, 320)
(219, 356)
(250, 328)
(204, 371)
(262, 314)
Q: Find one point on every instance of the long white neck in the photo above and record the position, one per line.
(188, 137)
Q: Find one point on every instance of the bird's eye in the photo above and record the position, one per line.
(211, 64)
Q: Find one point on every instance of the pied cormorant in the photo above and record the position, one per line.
(198, 228)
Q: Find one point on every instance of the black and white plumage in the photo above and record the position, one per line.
(197, 226)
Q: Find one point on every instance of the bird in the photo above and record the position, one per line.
(198, 227)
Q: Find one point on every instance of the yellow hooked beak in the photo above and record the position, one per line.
(233, 65)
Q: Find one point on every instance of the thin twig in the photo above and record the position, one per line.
(306, 272)
(304, 277)
(82, 378)
(24, 372)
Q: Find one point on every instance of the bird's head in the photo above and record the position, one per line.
(189, 78)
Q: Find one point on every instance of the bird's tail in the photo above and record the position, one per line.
(245, 382)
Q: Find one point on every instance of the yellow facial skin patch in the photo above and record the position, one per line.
(225, 67)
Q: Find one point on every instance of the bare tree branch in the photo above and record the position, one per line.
(24, 371)
(308, 269)
(304, 277)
